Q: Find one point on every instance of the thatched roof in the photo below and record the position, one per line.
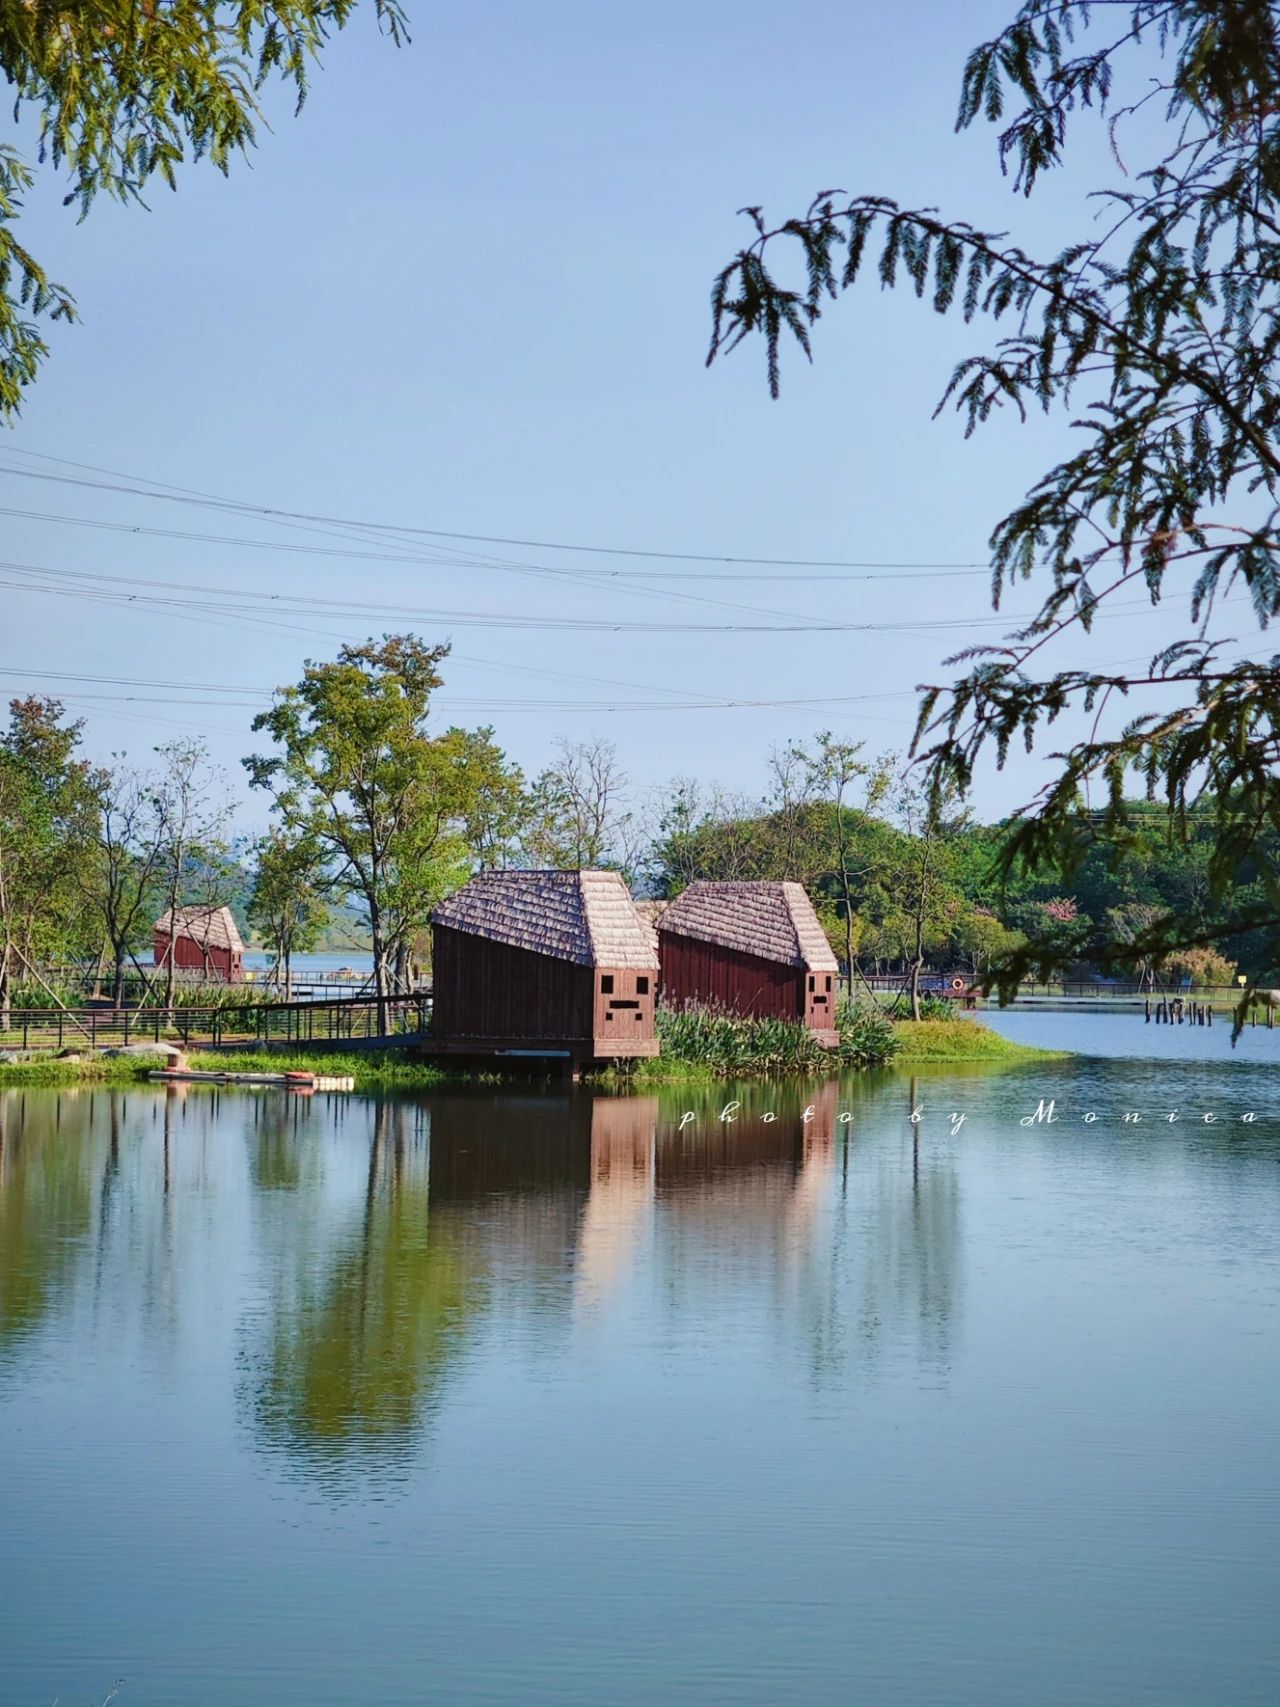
(211, 927)
(587, 917)
(774, 921)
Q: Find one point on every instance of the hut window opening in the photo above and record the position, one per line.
(828, 983)
(624, 1005)
(642, 986)
(813, 984)
(609, 1017)
(606, 984)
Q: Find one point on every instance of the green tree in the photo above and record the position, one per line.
(922, 895)
(358, 773)
(1158, 326)
(835, 770)
(122, 93)
(287, 904)
(46, 826)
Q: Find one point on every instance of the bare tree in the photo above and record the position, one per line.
(124, 880)
(194, 802)
(792, 795)
(577, 818)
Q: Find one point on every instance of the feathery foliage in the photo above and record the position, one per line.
(1160, 332)
(123, 92)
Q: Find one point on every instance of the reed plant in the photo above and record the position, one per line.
(731, 1046)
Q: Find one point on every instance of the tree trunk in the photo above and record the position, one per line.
(117, 979)
(6, 989)
(915, 988)
(171, 960)
(381, 982)
(287, 959)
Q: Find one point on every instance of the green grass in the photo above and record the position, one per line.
(372, 1069)
(700, 1047)
(961, 1040)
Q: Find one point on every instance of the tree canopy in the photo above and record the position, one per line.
(1158, 331)
(121, 93)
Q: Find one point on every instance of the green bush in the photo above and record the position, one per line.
(867, 1036)
(730, 1045)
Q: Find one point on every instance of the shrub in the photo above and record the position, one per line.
(733, 1045)
(867, 1036)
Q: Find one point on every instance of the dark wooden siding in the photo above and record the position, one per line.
(482, 988)
(695, 971)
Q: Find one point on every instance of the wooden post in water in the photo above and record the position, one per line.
(1147, 1006)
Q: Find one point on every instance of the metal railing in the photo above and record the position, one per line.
(252, 1026)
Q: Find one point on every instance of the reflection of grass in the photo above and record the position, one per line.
(962, 1040)
(388, 1069)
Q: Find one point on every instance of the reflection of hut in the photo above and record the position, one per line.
(621, 1200)
(751, 948)
(554, 960)
(200, 939)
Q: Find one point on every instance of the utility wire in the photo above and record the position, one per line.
(178, 494)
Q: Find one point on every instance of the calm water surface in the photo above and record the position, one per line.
(535, 1397)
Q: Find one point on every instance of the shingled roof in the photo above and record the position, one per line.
(211, 927)
(774, 921)
(587, 917)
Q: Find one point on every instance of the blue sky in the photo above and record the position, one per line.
(467, 290)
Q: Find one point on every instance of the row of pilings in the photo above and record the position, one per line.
(1172, 1010)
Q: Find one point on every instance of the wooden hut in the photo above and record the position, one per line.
(200, 939)
(544, 962)
(749, 948)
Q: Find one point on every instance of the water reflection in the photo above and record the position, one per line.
(47, 1193)
(368, 1246)
(365, 1324)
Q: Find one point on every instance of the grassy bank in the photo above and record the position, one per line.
(698, 1047)
(961, 1040)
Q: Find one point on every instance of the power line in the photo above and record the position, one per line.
(604, 576)
(184, 495)
(254, 696)
(340, 609)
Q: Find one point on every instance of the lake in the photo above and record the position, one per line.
(538, 1396)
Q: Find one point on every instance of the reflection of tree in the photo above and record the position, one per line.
(282, 1143)
(46, 1205)
(903, 1216)
(358, 1355)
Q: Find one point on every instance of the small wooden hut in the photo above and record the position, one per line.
(200, 939)
(749, 948)
(554, 962)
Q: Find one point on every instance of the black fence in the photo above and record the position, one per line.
(254, 1025)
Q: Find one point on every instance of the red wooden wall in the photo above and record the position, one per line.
(188, 954)
(695, 971)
